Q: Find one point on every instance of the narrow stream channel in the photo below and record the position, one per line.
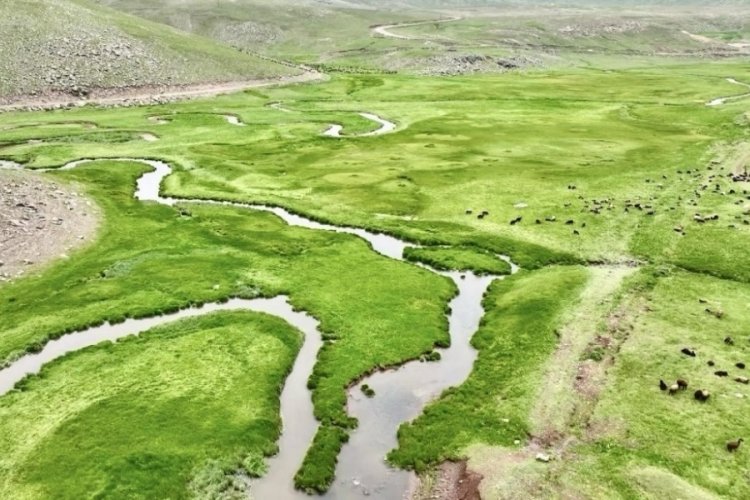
(401, 394)
(720, 101)
(386, 127)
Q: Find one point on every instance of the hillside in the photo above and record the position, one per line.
(73, 47)
(304, 30)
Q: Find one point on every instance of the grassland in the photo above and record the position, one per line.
(144, 416)
(578, 145)
(515, 337)
(153, 259)
(642, 428)
(458, 259)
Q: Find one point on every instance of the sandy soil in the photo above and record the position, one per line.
(40, 220)
(147, 94)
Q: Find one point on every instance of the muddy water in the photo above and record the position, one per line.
(278, 306)
(234, 120)
(9, 165)
(400, 394)
(386, 127)
(723, 100)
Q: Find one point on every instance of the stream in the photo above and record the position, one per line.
(401, 394)
(719, 101)
(386, 127)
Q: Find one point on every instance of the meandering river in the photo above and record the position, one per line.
(401, 394)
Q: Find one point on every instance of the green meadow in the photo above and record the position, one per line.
(601, 167)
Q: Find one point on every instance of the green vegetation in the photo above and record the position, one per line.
(459, 259)
(153, 259)
(516, 336)
(578, 145)
(185, 405)
(647, 440)
(368, 391)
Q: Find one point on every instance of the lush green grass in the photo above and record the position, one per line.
(151, 259)
(644, 429)
(513, 145)
(538, 134)
(458, 259)
(181, 407)
(515, 338)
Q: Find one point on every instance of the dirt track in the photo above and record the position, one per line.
(148, 95)
(40, 220)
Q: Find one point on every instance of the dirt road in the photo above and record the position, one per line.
(150, 94)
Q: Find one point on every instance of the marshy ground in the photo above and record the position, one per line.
(621, 194)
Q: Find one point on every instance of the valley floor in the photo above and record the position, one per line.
(621, 195)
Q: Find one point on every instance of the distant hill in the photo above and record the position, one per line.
(72, 46)
(438, 4)
(296, 28)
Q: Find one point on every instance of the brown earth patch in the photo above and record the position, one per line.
(40, 220)
(451, 481)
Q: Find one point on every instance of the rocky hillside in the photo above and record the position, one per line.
(74, 46)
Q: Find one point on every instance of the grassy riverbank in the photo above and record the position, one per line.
(175, 411)
(516, 336)
(152, 259)
(595, 163)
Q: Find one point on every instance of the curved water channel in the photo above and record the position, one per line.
(386, 127)
(401, 394)
(719, 101)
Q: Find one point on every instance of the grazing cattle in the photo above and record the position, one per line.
(710, 363)
(570, 222)
(469, 211)
(742, 380)
(516, 220)
(663, 385)
(576, 233)
(702, 395)
(729, 341)
(682, 384)
(721, 373)
(732, 446)
(688, 352)
(673, 389)
(740, 365)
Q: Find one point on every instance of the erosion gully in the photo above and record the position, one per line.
(401, 394)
